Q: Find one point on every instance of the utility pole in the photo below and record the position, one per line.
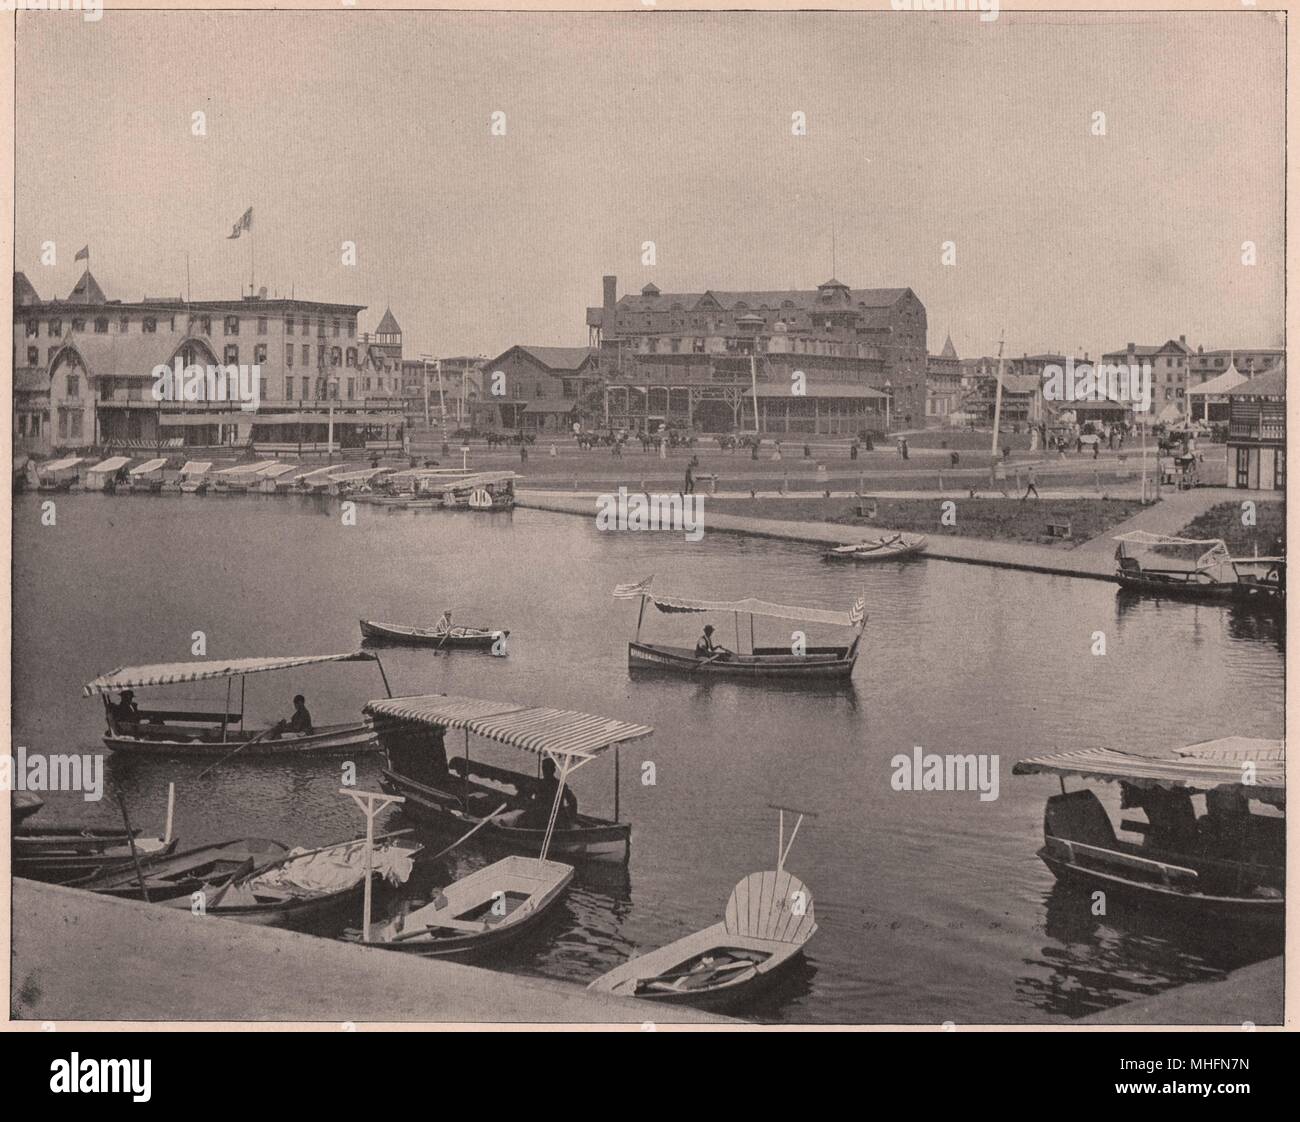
(997, 400)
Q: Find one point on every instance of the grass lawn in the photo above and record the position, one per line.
(1224, 521)
(993, 519)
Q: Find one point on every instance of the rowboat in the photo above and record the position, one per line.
(893, 548)
(63, 854)
(447, 489)
(304, 886)
(181, 874)
(767, 924)
(1208, 573)
(447, 639)
(451, 798)
(482, 912)
(1225, 866)
(186, 732)
(795, 660)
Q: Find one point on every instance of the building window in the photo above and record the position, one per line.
(78, 325)
(1279, 470)
(149, 325)
(336, 356)
(352, 329)
(101, 325)
(74, 422)
(259, 352)
(33, 328)
(56, 327)
(351, 388)
(261, 325)
(124, 325)
(352, 356)
(288, 354)
(33, 356)
(1243, 467)
(306, 354)
(74, 385)
(365, 385)
(334, 327)
(288, 389)
(232, 325)
(231, 354)
(288, 325)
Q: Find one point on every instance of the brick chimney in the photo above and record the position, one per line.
(611, 292)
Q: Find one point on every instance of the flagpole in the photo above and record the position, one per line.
(252, 260)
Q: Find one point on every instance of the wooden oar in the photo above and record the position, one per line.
(130, 838)
(711, 658)
(466, 837)
(247, 743)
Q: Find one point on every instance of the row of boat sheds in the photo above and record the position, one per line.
(450, 487)
(1198, 840)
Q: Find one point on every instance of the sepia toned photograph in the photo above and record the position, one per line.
(648, 518)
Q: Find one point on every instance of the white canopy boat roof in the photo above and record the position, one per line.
(63, 464)
(1212, 549)
(360, 475)
(1203, 767)
(475, 479)
(274, 470)
(147, 467)
(749, 606)
(113, 463)
(172, 673)
(565, 734)
(196, 467)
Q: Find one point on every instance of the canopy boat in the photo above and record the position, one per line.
(271, 478)
(1225, 865)
(355, 482)
(440, 638)
(316, 482)
(181, 874)
(58, 475)
(448, 489)
(194, 476)
(456, 796)
(892, 547)
(1197, 569)
(146, 478)
(303, 886)
(103, 476)
(241, 478)
(767, 924)
(808, 663)
(185, 732)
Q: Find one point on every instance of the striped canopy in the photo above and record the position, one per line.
(1193, 773)
(552, 732)
(171, 673)
(749, 606)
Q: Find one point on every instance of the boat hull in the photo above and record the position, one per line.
(69, 858)
(328, 740)
(818, 664)
(469, 639)
(1261, 595)
(184, 873)
(898, 551)
(591, 840)
(1261, 913)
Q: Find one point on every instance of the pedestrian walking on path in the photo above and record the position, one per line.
(1033, 485)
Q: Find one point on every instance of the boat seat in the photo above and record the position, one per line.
(1078, 816)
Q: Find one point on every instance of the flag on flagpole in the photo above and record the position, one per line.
(83, 254)
(245, 223)
(632, 591)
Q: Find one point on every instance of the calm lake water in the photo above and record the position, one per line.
(932, 906)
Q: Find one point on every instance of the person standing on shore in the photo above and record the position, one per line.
(690, 480)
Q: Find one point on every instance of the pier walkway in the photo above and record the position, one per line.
(1093, 559)
(82, 957)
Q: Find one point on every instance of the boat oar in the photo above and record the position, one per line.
(130, 837)
(711, 658)
(247, 743)
(466, 837)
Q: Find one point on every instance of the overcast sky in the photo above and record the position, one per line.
(672, 128)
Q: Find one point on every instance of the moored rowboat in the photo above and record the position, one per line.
(892, 548)
(183, 873)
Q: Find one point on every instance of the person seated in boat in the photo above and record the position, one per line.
(536, 812)
(125, 711)
(1171, 818)
(707, 648)
(443, 626)
(299, 724)
(1223, 826)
